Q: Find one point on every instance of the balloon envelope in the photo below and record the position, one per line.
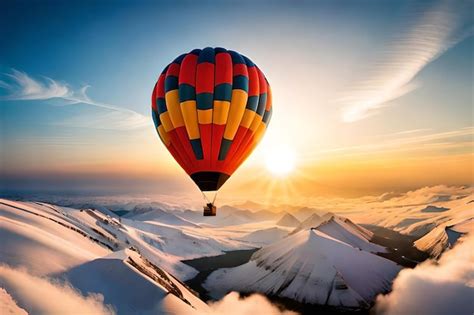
(211, 107)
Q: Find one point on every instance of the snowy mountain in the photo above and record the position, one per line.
(311, 267)
(444, 237)
(89, 250)
(304, 213)
(312, 221)
(288, 220)
(265, 236)
(341, 229)
(350, 233)
(180, 242)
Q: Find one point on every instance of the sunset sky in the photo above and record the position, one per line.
(368, 96)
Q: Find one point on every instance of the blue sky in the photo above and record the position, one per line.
(350, 73)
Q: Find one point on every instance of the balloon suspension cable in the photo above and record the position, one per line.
(207, 199)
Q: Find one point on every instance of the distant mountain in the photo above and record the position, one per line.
(305, 213)
(158, 215)
(310, 267)
(251, 205)
(313, 221)
(264, 215)
(226, 216)
(301, 213)
(431, 208)
(416, 219)
(444, 237)
(265, 236)
(288, 220)
(436, 227)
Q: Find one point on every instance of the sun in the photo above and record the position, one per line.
(280, 161)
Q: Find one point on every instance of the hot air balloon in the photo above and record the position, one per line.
(211, 108)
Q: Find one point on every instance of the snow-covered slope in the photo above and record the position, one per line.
(32, 234)
(180, 242)
(444, 236)
(288, 220)
(138, 285)
(265, 236)
(310, 267)
(89, 250)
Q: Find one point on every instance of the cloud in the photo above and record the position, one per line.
(436, 30)
(21, 86)
(8, 304)
(425, 195)
(407, 141)
(233, 304)
(445, 287)
(45, 296)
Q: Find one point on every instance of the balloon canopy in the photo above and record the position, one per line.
(211, 107)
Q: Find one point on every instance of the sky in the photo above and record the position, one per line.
(368, 96)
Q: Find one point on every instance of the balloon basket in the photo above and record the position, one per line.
(209, 210)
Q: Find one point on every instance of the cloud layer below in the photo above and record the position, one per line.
(232, 304)
(39, 295)
(445, 287)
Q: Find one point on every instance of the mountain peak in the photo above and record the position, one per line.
(288, 220)
(312, 267)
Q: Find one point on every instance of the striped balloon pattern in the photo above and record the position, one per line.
(211, 107)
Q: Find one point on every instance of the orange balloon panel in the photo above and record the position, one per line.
(211, 107)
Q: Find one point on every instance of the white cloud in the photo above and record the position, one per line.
(21, 86)
(431, 32)
(8, 304)
(412, 140)
(39, 295)
(232, 304)
(424, 196)
(24, 87)
(434, 288)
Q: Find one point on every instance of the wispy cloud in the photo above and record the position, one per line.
(430, 32)
(406, 141)
(24, 87)
(21, 86)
